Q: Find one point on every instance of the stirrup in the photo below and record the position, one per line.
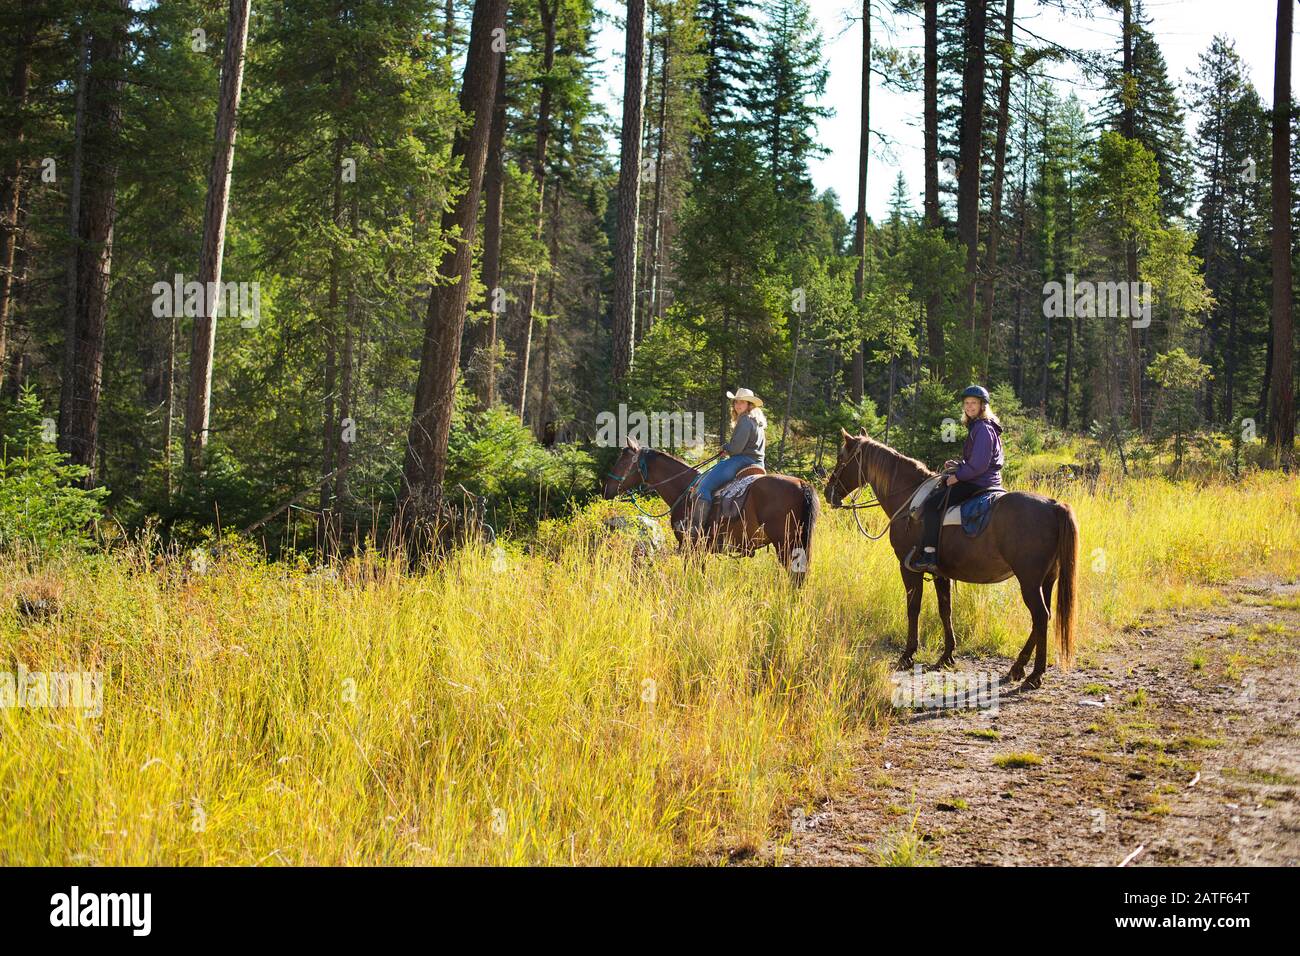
(917, 552)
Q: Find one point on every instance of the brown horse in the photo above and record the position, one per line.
(1032, 538)
(778, 510)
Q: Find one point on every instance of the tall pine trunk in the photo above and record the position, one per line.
(548, 11)
(999, 164)
(857, 385)
(493, 216)
(331, 415)
(1128, 122)
(347, 366)
(92, 255)
(972, 128)
(629, 196)
(198, 412)
(548, 336)
(656, 212)
(12, 183)
(644, 255)
(933, 320)
(1281, 418)
(1017, 368)
(425, 464)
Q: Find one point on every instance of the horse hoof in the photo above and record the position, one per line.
(1016, 673)
(904, 663)
(945, 663)
(1032, 682)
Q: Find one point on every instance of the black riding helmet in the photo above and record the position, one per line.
(976, 391)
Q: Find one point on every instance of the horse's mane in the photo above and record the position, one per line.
(880, 457)
(652, 453)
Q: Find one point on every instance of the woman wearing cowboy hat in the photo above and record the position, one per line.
(746, 448)
(978, 470)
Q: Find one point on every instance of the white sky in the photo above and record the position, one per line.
(1183, 28)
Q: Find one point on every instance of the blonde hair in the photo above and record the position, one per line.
(755, 413)
(986, 414)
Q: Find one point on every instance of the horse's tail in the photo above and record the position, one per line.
(1067, 555)
(811, 509)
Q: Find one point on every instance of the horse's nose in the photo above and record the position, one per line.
(832, 496)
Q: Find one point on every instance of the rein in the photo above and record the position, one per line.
(874, 502)
(647, 484)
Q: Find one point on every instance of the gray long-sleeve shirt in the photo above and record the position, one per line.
(747, 438)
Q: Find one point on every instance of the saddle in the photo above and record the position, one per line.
(972, 514)
(729, 500)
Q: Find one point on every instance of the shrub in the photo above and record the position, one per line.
(42, 505)
(921, 432)
(492, 453)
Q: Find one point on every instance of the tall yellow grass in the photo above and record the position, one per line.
(572, 705)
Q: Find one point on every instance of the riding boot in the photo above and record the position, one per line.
(697, 519)
(924, 558)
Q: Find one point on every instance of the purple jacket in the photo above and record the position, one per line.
(982, 457)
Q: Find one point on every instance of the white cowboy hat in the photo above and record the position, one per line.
(745, 395)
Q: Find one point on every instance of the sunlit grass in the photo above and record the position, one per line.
(565, 706)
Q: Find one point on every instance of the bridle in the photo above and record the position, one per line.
(647, 485)
(874, 502)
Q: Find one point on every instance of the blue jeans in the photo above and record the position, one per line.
(721, 473)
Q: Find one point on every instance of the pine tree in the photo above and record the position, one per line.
(1148, 100)
(729, 58)
(782, 98)
(1231, 186)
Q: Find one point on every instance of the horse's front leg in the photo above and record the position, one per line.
(943, 591)
(914, 584)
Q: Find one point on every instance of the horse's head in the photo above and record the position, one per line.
(850, 470)
(626, 473)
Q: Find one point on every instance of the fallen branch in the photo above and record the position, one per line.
(1132, 856)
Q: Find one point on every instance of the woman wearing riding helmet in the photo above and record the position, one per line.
(746, 448)
(979, 469)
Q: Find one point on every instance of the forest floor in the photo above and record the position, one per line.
(1179, 738)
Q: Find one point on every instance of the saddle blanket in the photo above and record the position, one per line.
(729, 500)
(973, 513)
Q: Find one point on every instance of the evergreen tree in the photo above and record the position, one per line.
(1157, 116)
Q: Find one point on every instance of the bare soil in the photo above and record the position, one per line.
(1180, 737)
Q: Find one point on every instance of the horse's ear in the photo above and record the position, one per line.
(847, 437)
(632, 443)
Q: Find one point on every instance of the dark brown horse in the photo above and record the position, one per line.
(778, 510)
(1032, 538)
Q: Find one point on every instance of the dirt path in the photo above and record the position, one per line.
(1193, 755)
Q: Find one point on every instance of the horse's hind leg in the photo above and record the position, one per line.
(1032, 594)
(784, 535)
(1017, 671)
(943, 591)
(1040, 654)
(914, 584)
